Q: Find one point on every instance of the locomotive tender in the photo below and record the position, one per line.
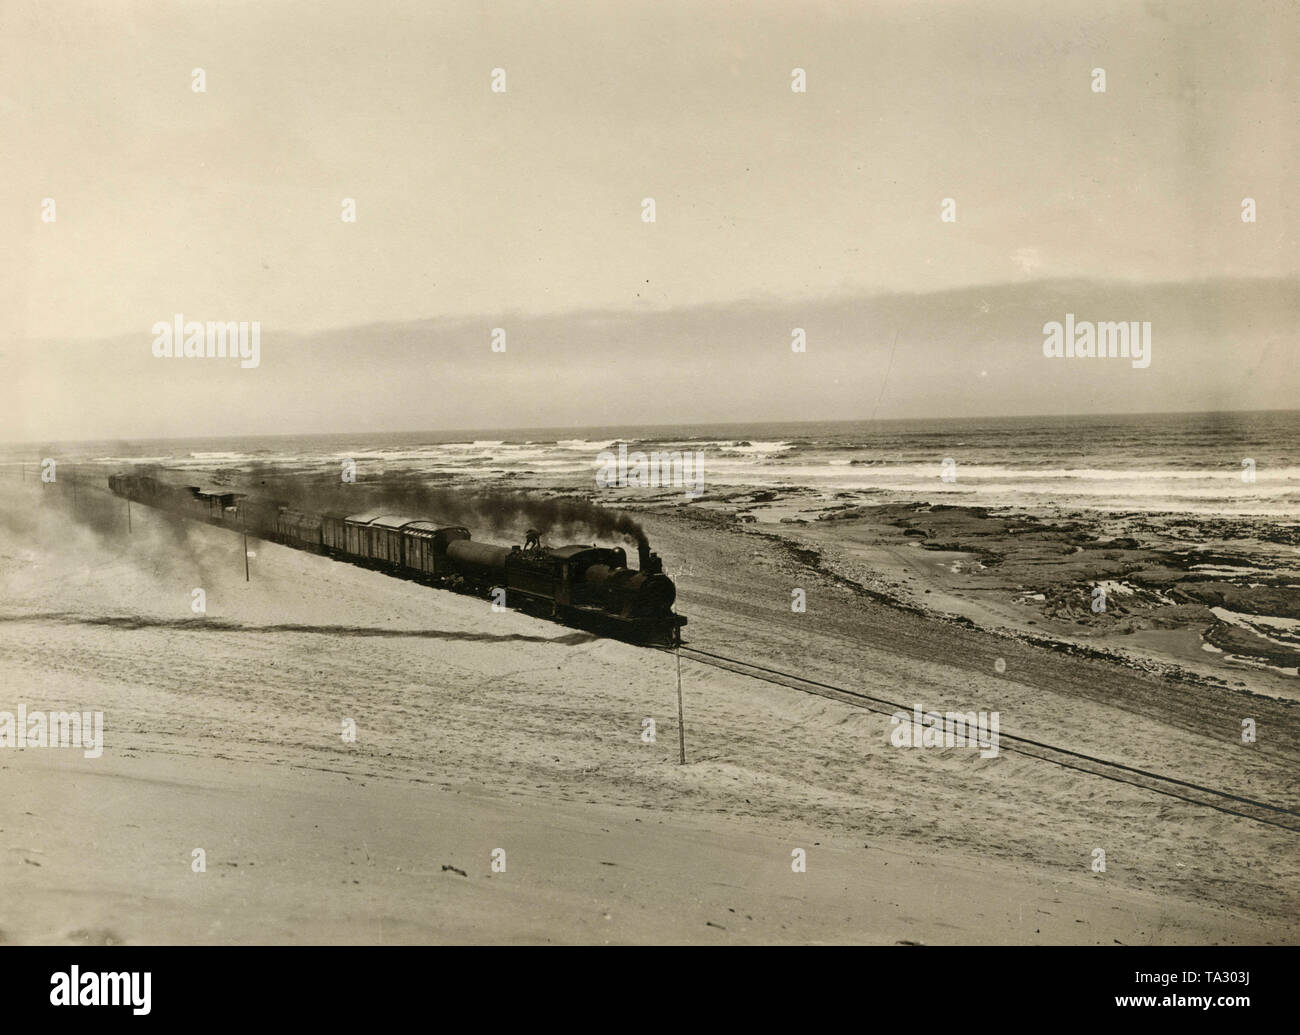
(581, 585)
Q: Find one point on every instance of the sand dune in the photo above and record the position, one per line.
(479, 730)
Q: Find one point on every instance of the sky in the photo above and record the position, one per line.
(479, 209)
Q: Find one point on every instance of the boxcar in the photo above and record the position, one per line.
(260, 517)
(386, 539)
(425, 545)
(356, 533)
(212, 505)
(299, 529)
(333, 535)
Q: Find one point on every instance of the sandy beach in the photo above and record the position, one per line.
(478, 731)
(520, 474)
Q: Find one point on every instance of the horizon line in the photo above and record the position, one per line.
(715, 423)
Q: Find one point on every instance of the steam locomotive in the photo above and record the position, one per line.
(588, 586)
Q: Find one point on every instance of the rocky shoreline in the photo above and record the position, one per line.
(1198, 596)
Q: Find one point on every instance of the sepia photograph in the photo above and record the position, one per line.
(700, 473)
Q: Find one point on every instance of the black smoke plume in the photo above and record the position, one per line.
(495, 510)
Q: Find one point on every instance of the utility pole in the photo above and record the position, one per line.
(128, 515)
(244, 525)
(681, 726)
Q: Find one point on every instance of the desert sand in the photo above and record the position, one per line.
(478, 731)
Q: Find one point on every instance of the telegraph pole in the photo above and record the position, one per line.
(681, 726)
(243, 523)
(128, 515)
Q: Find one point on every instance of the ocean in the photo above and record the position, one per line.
(1242, 464)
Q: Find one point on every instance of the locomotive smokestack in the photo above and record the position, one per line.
(651, 564)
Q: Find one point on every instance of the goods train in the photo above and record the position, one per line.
(589, 586)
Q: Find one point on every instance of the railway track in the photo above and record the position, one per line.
(1183, 790)
(1225, 802)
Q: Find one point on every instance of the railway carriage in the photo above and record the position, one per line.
(333, 533)
(357, 534)
(386, 540)
(216, 506)
(298, 528)
(425, 545)
(258, 517)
